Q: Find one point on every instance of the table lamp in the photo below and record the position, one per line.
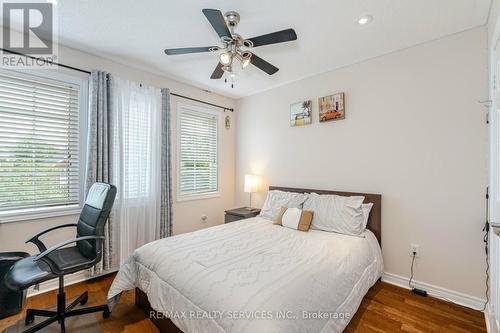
(251, 186)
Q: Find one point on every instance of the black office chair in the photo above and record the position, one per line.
(61, 260)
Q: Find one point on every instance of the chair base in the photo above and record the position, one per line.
(63, 311)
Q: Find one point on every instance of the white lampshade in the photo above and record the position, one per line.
(251, 183)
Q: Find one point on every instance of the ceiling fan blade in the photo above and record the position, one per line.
(185, 50)
(217, 21)
(218, 72)
(263, 65)
(274, 37)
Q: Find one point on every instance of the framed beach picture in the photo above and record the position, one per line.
(300, 113)
(331, 107)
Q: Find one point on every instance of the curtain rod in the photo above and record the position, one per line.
(87, 72)
(45, 61)
(197, 100)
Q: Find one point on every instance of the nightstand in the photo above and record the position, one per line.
(240, 214)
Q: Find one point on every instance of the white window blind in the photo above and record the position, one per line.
(198, 136)
(38, 143)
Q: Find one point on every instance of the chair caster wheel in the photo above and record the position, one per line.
(84, 300)
(29, 320)
(106, 314)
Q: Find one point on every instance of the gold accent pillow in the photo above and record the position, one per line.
(295, 218)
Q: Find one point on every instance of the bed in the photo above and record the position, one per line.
(254, 276)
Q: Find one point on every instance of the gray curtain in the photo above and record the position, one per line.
(99, 153)
(165, 228)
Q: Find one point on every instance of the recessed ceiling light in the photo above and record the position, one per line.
(365, 19)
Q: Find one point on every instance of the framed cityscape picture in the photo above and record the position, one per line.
(300, 113)
(331, 107)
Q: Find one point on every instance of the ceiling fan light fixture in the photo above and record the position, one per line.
(244, 58)
(248, 43)
(226, 58)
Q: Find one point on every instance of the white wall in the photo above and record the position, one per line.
(413, 132)
(187, 214)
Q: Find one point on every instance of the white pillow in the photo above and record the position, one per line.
(291, 218)
(336, 213)
(366, 213)
(277, 199)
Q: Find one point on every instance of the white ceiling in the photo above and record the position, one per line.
(137, 32)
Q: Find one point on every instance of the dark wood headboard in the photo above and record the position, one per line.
(375, 218)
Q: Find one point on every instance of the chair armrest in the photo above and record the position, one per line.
(53, 266)
(39, 243)
(74, 240)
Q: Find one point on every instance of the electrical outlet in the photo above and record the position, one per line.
(415, 248)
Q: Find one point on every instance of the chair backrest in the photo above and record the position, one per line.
(93, 218)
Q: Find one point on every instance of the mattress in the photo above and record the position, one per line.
(254, 276)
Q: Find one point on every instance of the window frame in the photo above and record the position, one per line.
(57, 210)
(197, 109)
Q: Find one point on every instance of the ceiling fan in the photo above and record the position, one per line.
(233, 44)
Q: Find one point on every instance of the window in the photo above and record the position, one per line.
(198, 152)
(39, 144)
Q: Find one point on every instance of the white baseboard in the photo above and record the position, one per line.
(68, 280)
(491, 322)
(473, 302)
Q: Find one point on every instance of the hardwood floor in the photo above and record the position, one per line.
(386, 308)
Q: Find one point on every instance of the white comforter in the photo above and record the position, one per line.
(253, 276)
